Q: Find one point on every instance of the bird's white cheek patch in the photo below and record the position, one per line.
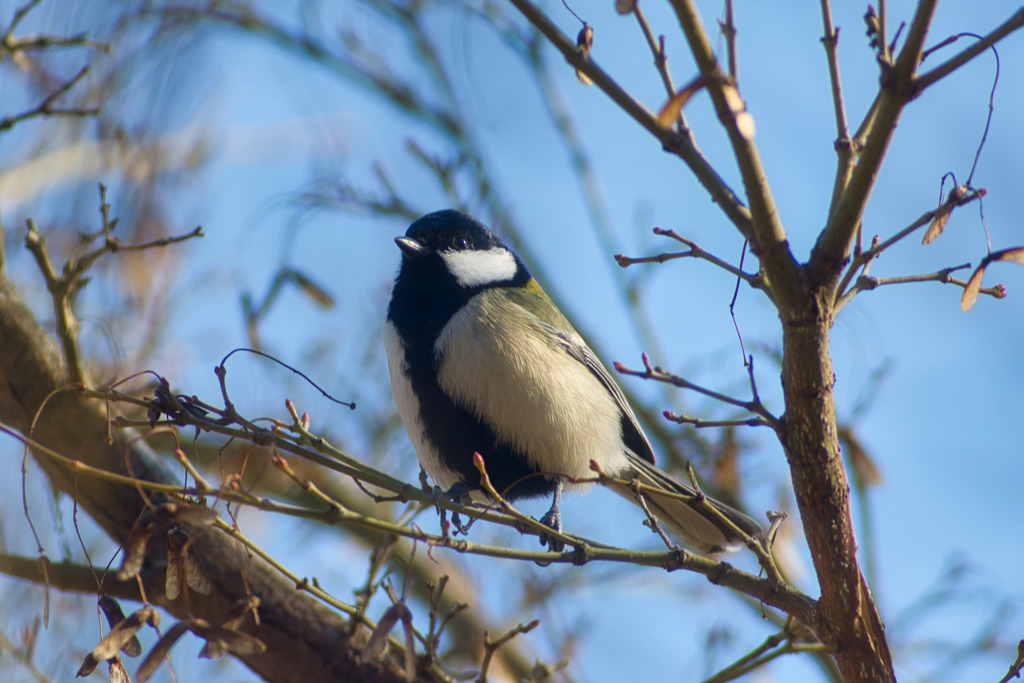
(475, 268)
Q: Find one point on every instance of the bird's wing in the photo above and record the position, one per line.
(692, 522)
(680, 512)
(632, 435)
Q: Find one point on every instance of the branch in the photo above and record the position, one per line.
(10, 44)
(46, 108)
(832, 250)
(680, 144)
(1017, 666)
(492, 646)
(865, 283)
(776, 645)
(32, 399)
(696, 251)
(656, 373)
(863, 260)
(657, 48)
(700, 423)
(767, 235)
(845, 150)
(929, 78)
(774, 593)
(728, 28)
(65, 287)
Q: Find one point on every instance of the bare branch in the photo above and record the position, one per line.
(929, 78)
(728, 28)
(657, 48)
(832, 250)
(678, 143)
(47, 108)
(865, 284)
(656, 373)
(64, 288)
(492, 646)
(696, 251)
(845, 150)
(863, 260)
(767, 236)
(787, 641)
(1017, 666)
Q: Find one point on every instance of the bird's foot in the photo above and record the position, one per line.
(458, 494)
(552, 519)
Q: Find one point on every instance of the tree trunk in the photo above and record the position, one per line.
(848, 622)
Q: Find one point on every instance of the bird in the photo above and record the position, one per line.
(483, 362)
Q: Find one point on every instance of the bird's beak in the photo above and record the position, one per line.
(410, 247)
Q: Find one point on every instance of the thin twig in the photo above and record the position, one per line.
(701, 423)
(656, 373)
(46, 108)
(929, 78)
(783, 643)
(865, 284)
(864, 259)
(845, 151)
(728, 28)
(491, 646)
(10, 44)
(652, 520)
(673, 141)
(1017, 666)
(695, 251)
(657, 48)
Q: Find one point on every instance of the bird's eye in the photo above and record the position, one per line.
(461, 243)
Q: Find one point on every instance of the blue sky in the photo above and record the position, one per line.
(944, 427)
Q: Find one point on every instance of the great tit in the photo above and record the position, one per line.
(482, 361)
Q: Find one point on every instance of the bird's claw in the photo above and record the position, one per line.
(458, 494)
(552, 519)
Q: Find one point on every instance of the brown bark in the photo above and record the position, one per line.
(847, 620)
(305, 640)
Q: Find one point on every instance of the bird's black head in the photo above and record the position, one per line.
(450, 230)
(447, 258)
(455, 247)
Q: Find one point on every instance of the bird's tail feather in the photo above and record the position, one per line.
(698, 527)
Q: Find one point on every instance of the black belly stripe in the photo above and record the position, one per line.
(457, 434)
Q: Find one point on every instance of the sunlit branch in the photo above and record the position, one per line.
(656, 373)
(767, 236)
(674, 142)
(867, 283)
(845, 151)
(771, 592)
(695, 251)
(864, 259)
(832, 250)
